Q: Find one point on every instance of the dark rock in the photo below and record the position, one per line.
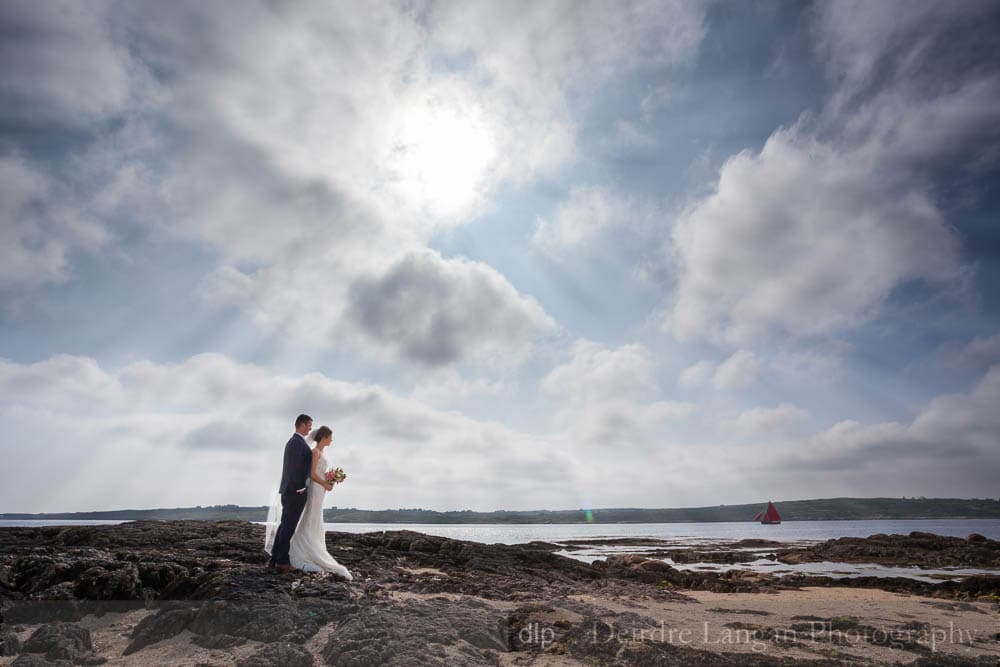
(165, 624)
(917, 549)
(264, 622)
(120, 582)
(286, 655)
(9, 644)
(34, 660)
(417, 633)
(60, 641)
(758, 542)
(975, 537)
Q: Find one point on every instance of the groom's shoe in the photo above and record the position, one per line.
(284, 568)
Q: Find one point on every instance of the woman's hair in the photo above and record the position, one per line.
(321, 433)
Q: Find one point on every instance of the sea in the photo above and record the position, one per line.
(703, 535)
(683, 533)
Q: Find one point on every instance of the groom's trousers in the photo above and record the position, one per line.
(292, 505)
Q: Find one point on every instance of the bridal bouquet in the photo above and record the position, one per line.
(335, 475)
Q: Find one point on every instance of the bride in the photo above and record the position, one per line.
(307, 550)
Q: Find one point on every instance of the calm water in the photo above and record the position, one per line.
(693, 533)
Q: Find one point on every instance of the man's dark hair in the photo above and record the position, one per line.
(302, 419)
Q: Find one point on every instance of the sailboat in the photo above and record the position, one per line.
(770, 515)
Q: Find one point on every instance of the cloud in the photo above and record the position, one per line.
(540, 50)
(980, 352)
(739, 370)
(43, 228)
(953, 432)
(813, 233)
(593, 213)
(598, 229)
(447, 385)
(604, 397)
(595, 370)
(316, 175)
(767, 420)
(63, 381)
(61, 64)
(802, 239)
(736, 371)
(437, 311)
(869, 48)
(697, 374)
(310, 172)
(211, 430)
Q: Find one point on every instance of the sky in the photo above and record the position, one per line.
(518, 255)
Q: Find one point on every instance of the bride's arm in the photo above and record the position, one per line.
(316, 477)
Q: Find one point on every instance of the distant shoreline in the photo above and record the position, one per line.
(824, 509)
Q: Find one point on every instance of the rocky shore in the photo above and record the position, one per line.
(197, 593)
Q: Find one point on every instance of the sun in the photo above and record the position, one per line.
(441, 156)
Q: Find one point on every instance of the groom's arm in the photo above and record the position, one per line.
(305, 457)
(292, 455)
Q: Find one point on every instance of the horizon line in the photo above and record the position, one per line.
(574, 509)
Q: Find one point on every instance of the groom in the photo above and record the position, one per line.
(294, 475)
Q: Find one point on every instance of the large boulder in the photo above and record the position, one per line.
(63, 641)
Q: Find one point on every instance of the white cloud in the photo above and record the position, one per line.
(804, 239)
(738, 370)
(605, 396)
(537, 50)
(811, 234)
(868, 46)
(592, 213)
(954, 432)
(620, 426)
(447, 385)
(816, 364)
(63, 382)
(697, 374)
(767, 420)
(211, 430)
(597, 371)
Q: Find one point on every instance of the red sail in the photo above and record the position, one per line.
(771, 515)
(758, 516)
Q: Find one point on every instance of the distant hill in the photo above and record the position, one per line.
(821, 509)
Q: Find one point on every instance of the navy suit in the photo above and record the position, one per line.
(294, 475)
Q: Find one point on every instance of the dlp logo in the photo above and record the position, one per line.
(535, 634)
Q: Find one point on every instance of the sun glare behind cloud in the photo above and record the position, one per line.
(440, 157)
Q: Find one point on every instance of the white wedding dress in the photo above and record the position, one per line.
(307, 550)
